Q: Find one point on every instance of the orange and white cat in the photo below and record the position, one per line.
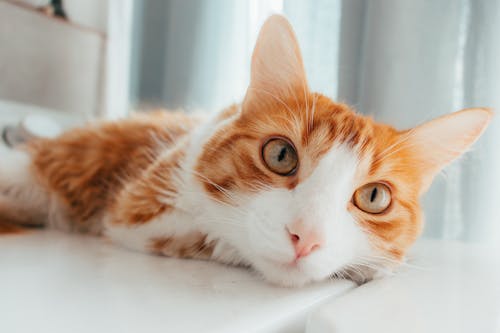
(288, 182)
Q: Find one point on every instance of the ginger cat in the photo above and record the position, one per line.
(288, 182)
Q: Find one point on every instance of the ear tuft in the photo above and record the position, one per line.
(277, 69)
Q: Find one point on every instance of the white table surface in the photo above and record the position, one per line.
(55, 282)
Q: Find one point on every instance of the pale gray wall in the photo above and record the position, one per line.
(48, 62)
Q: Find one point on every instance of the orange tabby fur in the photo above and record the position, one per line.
(86, 167)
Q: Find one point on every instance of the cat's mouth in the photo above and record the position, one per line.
(296, 270)
(293, 264)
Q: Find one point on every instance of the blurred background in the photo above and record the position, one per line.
(401, 61)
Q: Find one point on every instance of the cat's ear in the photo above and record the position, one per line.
(277, 70)
(438, 142)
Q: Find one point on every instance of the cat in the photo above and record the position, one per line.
(288, 182)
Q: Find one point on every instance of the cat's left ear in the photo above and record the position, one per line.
(277, 71)
(437, 143)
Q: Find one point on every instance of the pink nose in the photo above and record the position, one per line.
(304, 239)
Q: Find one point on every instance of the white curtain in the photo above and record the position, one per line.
(402, 61)
(195, 54)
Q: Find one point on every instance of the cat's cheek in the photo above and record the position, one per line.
(266, 246)
(269, 215)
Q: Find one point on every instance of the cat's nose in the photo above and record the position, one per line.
(305, 239)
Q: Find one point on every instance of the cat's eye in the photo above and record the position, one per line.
(280, 156)
(373, 198)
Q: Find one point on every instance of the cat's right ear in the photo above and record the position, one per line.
(277, 70)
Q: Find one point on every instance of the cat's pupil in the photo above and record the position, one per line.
(373, 195)
(282, 154)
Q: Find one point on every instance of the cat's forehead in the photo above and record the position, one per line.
(315, 124)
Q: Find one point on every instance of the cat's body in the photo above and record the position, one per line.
(288, 182)
(130, 180)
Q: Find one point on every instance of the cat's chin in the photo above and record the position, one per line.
(288, 275)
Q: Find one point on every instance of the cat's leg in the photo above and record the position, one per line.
(170, 234)
(197, 245)
(227, 254)
(173, 235)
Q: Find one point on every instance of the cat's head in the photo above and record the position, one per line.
(306, 187)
